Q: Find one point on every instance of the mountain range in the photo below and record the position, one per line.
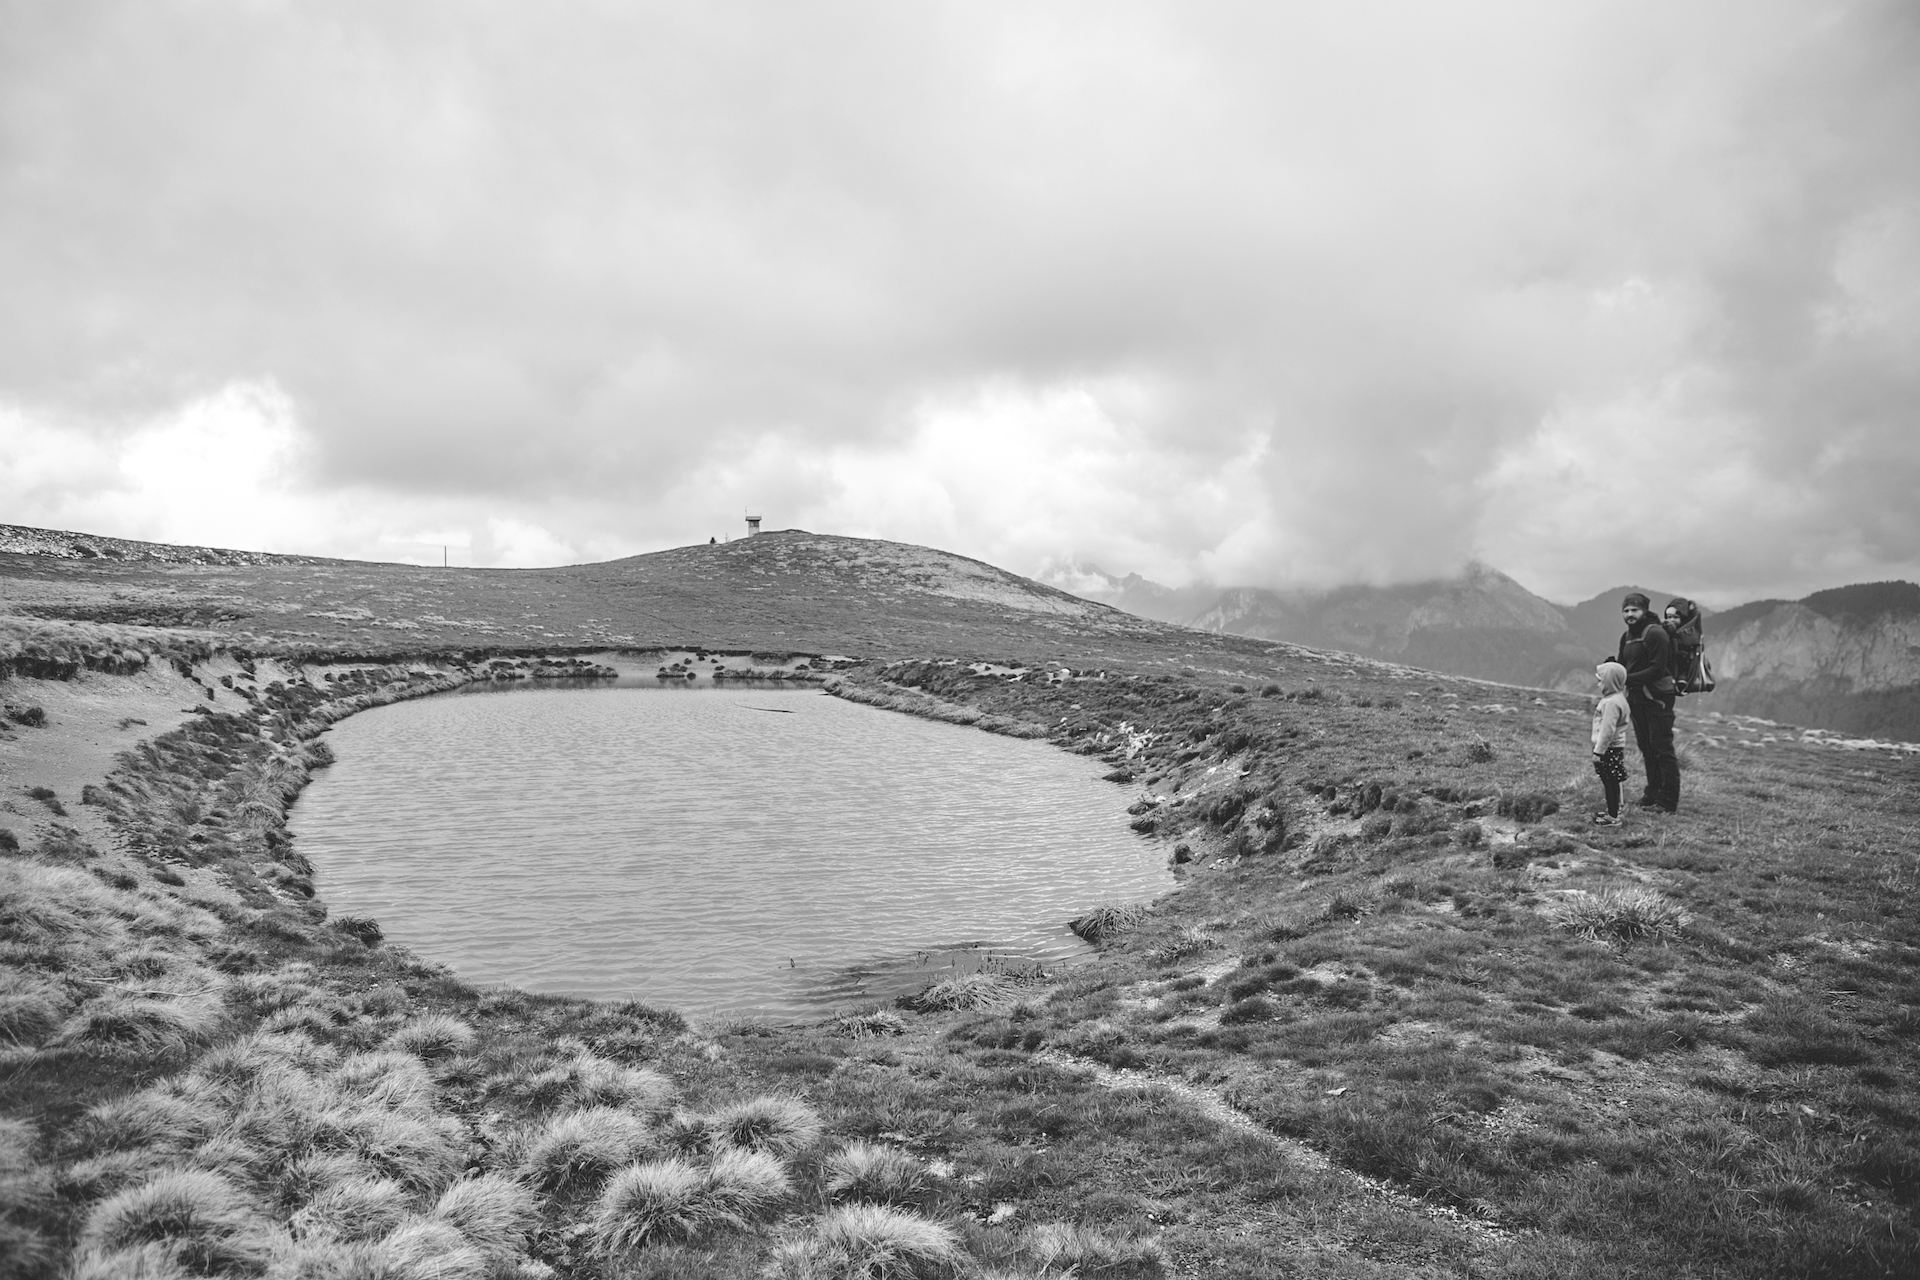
(1845, 659)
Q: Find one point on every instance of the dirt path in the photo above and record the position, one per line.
(1211, 1104)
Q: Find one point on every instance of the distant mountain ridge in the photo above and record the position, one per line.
(1846, 658)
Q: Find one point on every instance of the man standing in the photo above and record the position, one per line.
(1645, 651)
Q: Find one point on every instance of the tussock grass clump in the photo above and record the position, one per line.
(868, 1242)
(876, 1174)
(25, 1190)
(744, 1185)
(424, 1249)
(1631, 914)
(493, 1211)
(305, 1178)
(269, 993)
(574, 1152)
(1190, 941)
(432, 1036)
(588, 1081)
(964, 991)
(584, 1080)
(661, 1200)
(1527, 806)
(865, 1023)
(1078, 1250)
(147, 1262)
(386, 1079)
(200, 1218)
(361, 928)
(1107, 921)
(356, 1209)
(422, 1153)
(300, 1019)
(30, 1009)
(1350, 903)
(141, 1027)
(780, 1126)
(151, 1118)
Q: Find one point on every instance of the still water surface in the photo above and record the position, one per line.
(739, 850)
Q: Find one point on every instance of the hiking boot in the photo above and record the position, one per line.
(1605, 820)
(1648, 803)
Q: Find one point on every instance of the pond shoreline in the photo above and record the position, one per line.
(689, 851)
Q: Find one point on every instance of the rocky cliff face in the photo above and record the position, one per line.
(1846, 659)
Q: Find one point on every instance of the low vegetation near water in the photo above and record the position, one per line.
(1408, 1014)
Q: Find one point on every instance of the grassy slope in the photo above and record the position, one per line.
(1355, 1043)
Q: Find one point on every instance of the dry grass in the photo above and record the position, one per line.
(964, 991)
(743, 1186)
(868, 1242)
(423, 1249)
(355, 1209)
(163, 1029)
(875, 1174)
(1108, 921)
(662, 1200)
(573, 1154)
(31, 1009)
(200, 1218)
(492, 1211)
(432, 1037)
(1620, 915)
(866, 1023)
(1063, 1246)
(780, 1126)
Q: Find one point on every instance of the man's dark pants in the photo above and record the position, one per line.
(1653, 731)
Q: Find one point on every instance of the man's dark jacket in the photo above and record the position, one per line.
(1647, 654)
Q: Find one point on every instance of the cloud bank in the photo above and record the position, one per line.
(1244, 293)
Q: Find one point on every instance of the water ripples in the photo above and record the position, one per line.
(728, 850)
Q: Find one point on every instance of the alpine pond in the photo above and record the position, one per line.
(741, 850)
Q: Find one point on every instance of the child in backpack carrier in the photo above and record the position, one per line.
(1610, 720)
(1691, 672)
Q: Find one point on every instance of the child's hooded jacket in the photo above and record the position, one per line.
(1610, 714)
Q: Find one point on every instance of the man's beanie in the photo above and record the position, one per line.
(1635, 598)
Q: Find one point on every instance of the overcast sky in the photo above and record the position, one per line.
(1254, 294)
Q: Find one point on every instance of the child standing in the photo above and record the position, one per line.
(1610, 720)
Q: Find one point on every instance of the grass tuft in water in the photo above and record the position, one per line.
(964, 991)
(1107, 921)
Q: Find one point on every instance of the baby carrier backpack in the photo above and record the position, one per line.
(1692, 673)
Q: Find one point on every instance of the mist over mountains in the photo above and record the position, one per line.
(1846, 659)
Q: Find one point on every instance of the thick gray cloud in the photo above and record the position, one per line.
(1248, 292)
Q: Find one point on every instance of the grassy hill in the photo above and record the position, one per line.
(1408, 1013)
